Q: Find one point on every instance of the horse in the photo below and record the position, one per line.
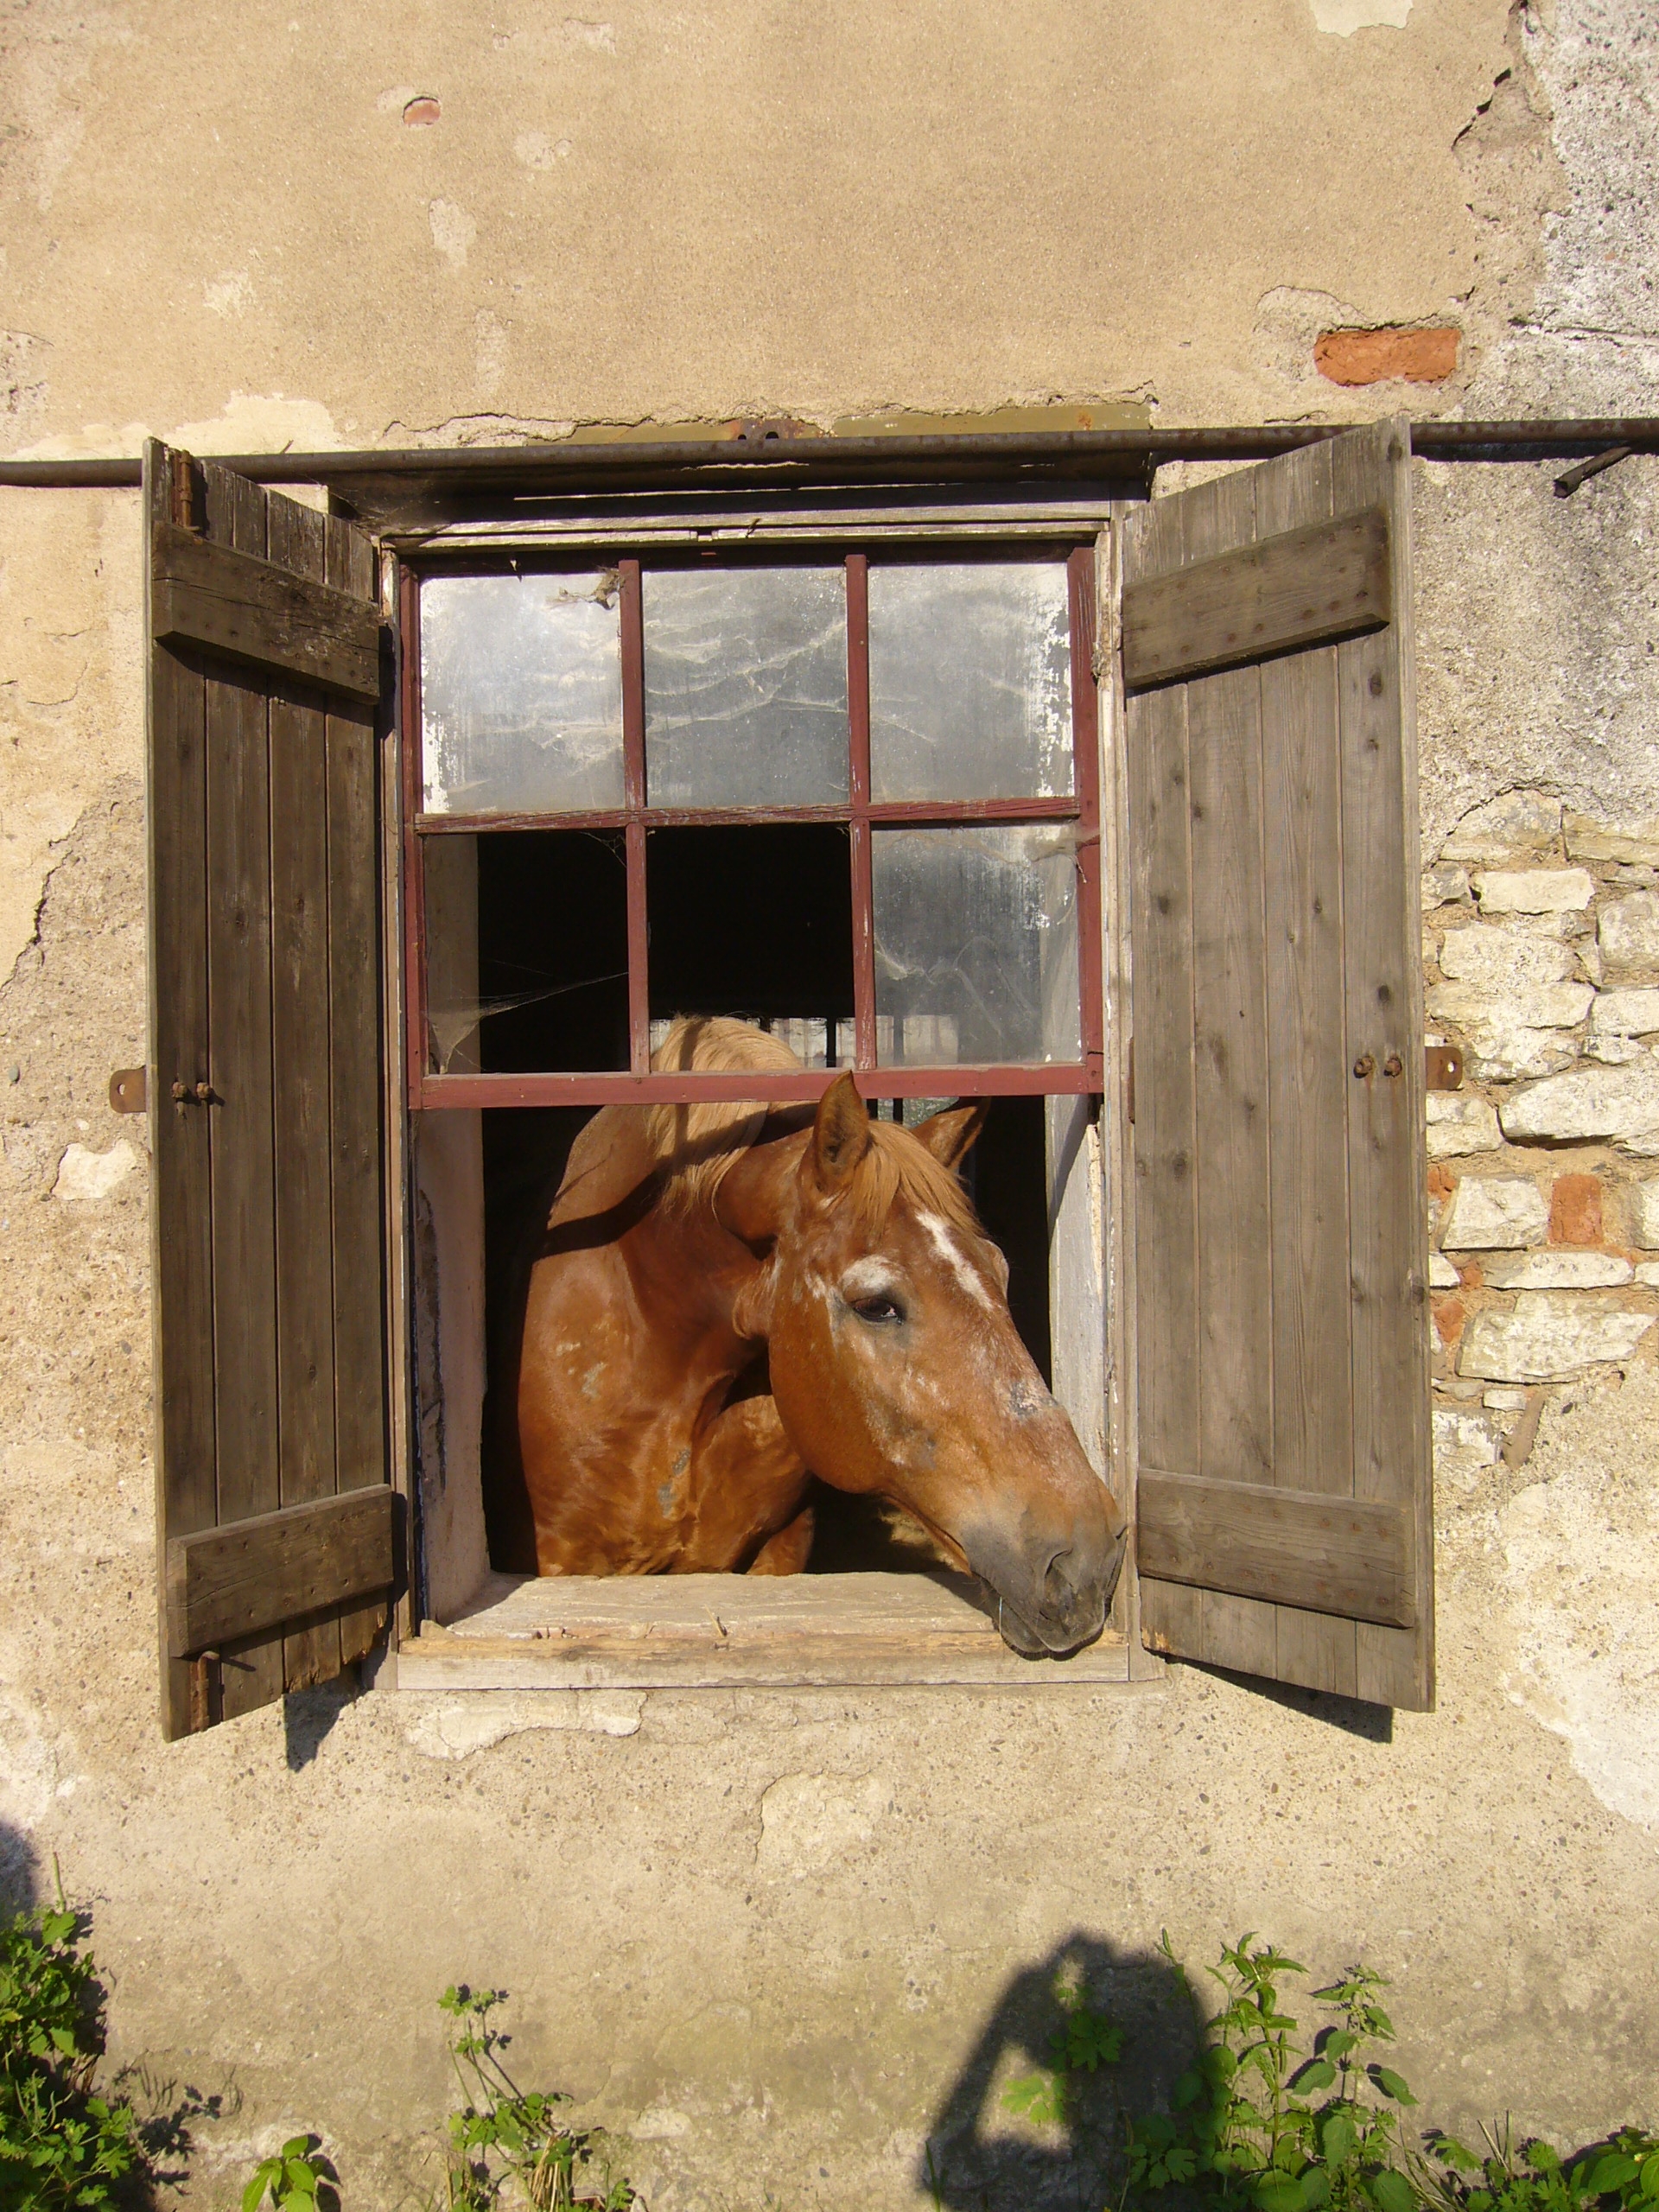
(730, 1299)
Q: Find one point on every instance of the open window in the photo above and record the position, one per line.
(1157, 902)
(847, 794)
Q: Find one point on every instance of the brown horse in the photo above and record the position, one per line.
(730, 1300)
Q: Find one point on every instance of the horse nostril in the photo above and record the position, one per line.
(1059, 1591)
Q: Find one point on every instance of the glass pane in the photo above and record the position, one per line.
(745, 687)
(970, 680)
(521, 693)
(975, 945)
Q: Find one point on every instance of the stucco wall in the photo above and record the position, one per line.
(765, 1934)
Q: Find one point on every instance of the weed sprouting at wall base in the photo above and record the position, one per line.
(1266, 2121)
(62, 2144)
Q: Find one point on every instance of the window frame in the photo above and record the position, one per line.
(427, 1090)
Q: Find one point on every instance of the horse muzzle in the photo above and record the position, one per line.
(1049, 1607)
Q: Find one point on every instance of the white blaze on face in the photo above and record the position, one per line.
(966, 1274)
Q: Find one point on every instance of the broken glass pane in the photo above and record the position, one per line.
(521, 693)
(970, 680)
(975, 945)
(745, 687)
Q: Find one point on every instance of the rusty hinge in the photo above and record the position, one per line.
(188, 495)
(1443, 1067)
(130, 1090)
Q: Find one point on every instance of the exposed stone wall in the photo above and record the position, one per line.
(1542, 950)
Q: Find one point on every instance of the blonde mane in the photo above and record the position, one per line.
(694, 1145)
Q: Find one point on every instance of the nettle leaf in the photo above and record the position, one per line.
(1279, 2194)
(1318, 2074)
(1650, 2177)
(1390, 2191)
(1391, 2085)
(1340, 2138)
(1612, 2172)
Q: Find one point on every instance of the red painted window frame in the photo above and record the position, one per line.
(637, 1084)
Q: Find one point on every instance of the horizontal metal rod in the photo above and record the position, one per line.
(1557, 438)
(774, 1086)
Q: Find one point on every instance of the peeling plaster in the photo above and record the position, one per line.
(1581, 1552)
(1344, 17)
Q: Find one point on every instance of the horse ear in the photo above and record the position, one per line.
(841, 1135)
(950, 1136)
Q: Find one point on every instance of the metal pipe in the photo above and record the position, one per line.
(1558, 438)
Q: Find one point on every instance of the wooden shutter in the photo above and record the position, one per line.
(1283, 1500)
(277, 1524)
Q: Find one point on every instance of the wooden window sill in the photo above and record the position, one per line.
(709, 1631)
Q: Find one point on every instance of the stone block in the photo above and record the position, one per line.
(1535, 890)
(1629, 931)
(1618, 1103)
(1498, 960)
(1460, 1122)
(1625, 1013)
(1464, 1444)
(1498, 1055)
(1444, 885)
(1442, 1275)
(1644, 1215)
(1647, 1274)
(1539, 1006)
(1494, 1213)
(1613, 1051)
(1553, 1269)
(1549, 1338)
(1516, 823)
(1635, 843)
(1504, 1398)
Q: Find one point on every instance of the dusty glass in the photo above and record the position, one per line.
(745, 687)
(975, 945)
(970, 680)
(521, 694)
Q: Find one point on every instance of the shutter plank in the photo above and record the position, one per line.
(181, 1200)
(301, 1135)
(227, 1586)
(1164, 1133)
(1314, 1390)
(238, 971)
(204, 592)
(1295, 587)
(1386, 1152)
(1229, 1049)
(354, 1017)
(1351, 1556)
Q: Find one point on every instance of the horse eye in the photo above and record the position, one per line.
(878, 1310)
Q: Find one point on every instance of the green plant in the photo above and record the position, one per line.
(501, 2131)
(1264, 2122)
(1085, 2041)
(298, 2178)
(1624, 2170)
(62, 2144)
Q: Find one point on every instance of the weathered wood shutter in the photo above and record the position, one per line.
(277, 1524)
(1283, 1503)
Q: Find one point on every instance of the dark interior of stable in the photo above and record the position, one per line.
(755, 922)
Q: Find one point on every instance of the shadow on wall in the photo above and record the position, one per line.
(979, 2158)
(20, 1873)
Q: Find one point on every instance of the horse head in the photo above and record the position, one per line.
(896, 1368)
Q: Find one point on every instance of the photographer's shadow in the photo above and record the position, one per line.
(982, 2157)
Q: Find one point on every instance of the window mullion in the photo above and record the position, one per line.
(633, 786)
(858, 712)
